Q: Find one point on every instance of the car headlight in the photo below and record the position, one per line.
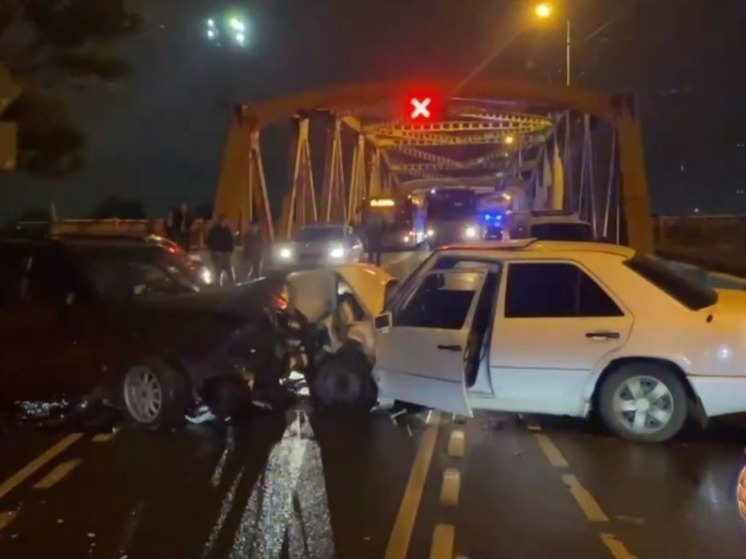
(285, 253)
(337, 252)
(430, 232)
(470, 232)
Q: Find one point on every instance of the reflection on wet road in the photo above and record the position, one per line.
(369, 486)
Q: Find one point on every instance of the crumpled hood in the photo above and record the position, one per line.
(195, 325)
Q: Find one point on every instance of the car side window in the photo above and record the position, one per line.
(555, 290)
(441, 300)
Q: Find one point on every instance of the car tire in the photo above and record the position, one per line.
(153, 394)
(344, 381)
(672, 404)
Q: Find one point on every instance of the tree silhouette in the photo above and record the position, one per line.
(46, 44)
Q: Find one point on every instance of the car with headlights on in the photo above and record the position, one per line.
(324, 244)
(556, 328)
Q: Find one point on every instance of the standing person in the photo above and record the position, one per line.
(168, 226)
(253, 250)
(182, 226)
(374, 240)
(220, 244)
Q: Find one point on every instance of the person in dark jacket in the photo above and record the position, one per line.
(374, 230)
(182, 226)
(220, 244)
(253, 250)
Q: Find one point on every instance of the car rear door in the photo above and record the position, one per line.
(420, 357)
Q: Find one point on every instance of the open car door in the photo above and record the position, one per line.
(421, 346)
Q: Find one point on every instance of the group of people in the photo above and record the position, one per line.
(221, 243)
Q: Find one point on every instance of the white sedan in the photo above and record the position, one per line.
(550, 328)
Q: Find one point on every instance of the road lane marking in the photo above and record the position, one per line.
(456, 444)
(103, 437)
(37, 463)
(533, 427)
(57, 474)
(449, 490)
(442, 544)
(6, 517)
(617, 548)
(401, 533)
(585, 500)
(551, 451)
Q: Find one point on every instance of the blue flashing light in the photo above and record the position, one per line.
(492, 217)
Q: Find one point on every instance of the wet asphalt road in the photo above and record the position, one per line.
(423, 486)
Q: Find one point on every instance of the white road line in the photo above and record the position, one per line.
(57, 474)
(551, 451)
(585, 500)
(449, 489)
(37, 463)
(617, 548)
(456, 444)
(442, 544)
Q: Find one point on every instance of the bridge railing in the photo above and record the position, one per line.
(717, 243)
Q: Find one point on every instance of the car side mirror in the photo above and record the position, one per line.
(383, 321)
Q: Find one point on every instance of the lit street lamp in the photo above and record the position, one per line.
(545, 11)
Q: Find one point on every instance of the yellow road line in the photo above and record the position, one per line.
(442, 544)
(456, 444)
(401, 533)
(103, 437)
(6, 517)
(551, 451)
(617, 549)
(585, 500)
(449, 490)
(37, 463)
(57, 474)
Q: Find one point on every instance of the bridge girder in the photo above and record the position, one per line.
(474, 124)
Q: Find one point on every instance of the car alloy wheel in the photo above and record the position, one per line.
(643, 404)
(143, 394)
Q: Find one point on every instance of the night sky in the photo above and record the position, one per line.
(160, 136)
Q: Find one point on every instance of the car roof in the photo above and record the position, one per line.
(79, 241)
(535, 248)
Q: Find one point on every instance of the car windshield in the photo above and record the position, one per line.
(132, 272)
(562, 231)
(315, 234)
(693, 295)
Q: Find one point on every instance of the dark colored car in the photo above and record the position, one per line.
(123, 323)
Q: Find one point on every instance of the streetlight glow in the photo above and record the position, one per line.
(543, 10)
(509, 139)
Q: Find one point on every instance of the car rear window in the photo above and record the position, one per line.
(693, 295)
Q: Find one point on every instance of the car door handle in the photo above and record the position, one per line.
(602, 335)
(449, 347)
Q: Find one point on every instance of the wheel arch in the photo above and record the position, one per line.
(697, 409)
